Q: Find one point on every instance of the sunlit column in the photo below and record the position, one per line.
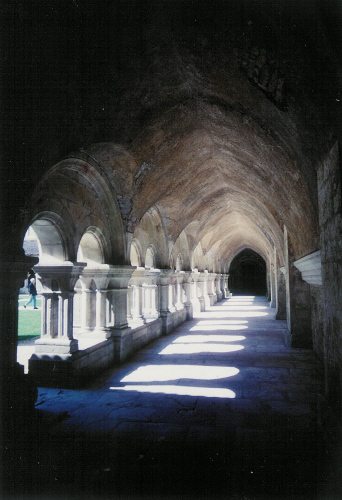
(211, 289)
(86, 310)
(136, 305)
(196, 304)
(222, 286)
(187, 284)
(166, 302)
(218, 287)
(179, 281)
(201, 290)
(150, 311)
(101, 313)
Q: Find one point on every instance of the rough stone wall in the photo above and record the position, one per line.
(330, 212)
(281, 313)
(317, 321)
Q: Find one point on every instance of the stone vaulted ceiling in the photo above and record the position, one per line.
(225, 109)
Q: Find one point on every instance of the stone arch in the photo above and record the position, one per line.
(150, 258)
(136, 253)
(248, 273)
(82, 196)
(181, 248)
(91, 247)
(197, 258)
(179, 263)
(53, 242)
(150, 232)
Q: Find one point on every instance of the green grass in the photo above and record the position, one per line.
(29, 323)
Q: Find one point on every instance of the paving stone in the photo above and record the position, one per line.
(148, 436)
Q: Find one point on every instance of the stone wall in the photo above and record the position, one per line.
(329, 193)
(317, 321)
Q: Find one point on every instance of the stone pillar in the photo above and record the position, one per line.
(150, 294)
(211, 289)
(51, 361)
(201, 290)
(101, 314)
(57, 310)
(218, 287)
(187, 284)
(118, 281)
(18, 393)
(179, 304)
(195, 291)
(281, 293)
(222, 286)
(166, 306)
(298, 302)
(273, 280)
(226, 286)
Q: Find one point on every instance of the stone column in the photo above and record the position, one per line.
(218, 287)
(150, 294)
(119, 277)
(101, 279)
(179, 305)
(211, 289)
(166, 306)
(273, 280)
(195, 291)
(18, 393)
(222, 286)
(281, 293)
(226, 286)
(57, 310)
(298, 302)
(136, 298)
(51, 361)
(202, 290)
(187, 284)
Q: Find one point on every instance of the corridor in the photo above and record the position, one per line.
(220, 408)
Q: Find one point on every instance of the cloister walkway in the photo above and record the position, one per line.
(220, 408)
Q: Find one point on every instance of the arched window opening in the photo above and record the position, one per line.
(247, 274)
(90, 249)
(44, 237)
(179, 263)
(150, 258)
(135, 255)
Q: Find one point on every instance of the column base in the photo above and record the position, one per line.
(52, 370)
(167, 322)
(56, 346)
(189, 311)
(123, 343)
(202, 304)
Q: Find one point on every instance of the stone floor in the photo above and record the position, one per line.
(220, 408)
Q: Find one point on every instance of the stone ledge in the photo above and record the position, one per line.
(311, 268)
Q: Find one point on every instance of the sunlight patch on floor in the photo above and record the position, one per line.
(199, 348)
(207, 392)
(162, 373)
(208, 338)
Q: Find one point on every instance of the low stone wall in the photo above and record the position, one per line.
(82, 365)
